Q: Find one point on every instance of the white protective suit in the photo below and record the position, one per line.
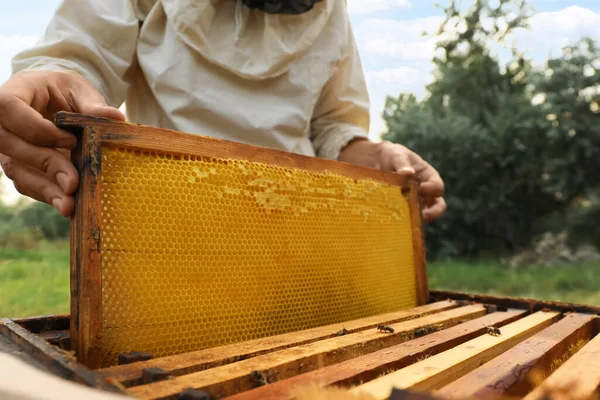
(217, 68)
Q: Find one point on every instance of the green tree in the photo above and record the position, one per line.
(45, 221)
(514, 143)
(25, 224)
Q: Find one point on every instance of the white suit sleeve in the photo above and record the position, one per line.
(342, 112)
(95, 38)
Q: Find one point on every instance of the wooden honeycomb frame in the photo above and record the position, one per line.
(86, 259)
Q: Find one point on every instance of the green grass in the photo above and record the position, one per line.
(36, 282)
(573, 283)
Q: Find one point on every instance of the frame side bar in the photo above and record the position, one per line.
(411, 191)
(86, 258)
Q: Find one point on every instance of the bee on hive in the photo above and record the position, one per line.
(258, 379)
(492, 330)
(342, 332)
(385, 328)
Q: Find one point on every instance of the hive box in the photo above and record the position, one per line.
(204, 265)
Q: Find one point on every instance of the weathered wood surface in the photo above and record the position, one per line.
(237, 377)
(454, 358)
(148, 138)
(61, 339)
(370, 366)
(532, 305)
(577, 379)
(51, 358)
(86, 257)
(7, 346)
(420, 262)
(44, 323)
(510, 373)
(441, 369)
(209, 358)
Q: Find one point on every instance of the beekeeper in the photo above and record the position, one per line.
(283, 74)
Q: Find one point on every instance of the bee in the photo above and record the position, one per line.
(193, 394)
(257, 378)
(385, 328)
(491, 308)
(342, 332)
(492, 330)
(420, 332)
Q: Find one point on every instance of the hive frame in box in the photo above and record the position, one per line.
(86, 231)
(444, 345)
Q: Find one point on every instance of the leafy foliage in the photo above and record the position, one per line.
(514, 143)
(26, 225)
(45, 221)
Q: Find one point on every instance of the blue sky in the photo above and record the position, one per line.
(395, 56)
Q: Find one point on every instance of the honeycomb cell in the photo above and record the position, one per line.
(202, 252)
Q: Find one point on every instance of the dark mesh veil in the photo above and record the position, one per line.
(281, 6)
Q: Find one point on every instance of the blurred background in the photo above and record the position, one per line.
(502, 97)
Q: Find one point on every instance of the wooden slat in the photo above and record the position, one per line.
(58, 362)
(508, 373)
(209, 358)
(532, 305)
(443, 368)
(54, 335)
(61, 339)
(577, 379)
(44, 323)
(370, 366)
(234, 378)
(86, 257)
(334, 393)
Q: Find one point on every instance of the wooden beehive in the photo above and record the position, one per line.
(446, 349)
(420, 344)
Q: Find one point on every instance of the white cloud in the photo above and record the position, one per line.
(394, 39)
(551, 31)
(398, 57)
(417, 51)
(401, 76)
(9, 46)
(370, 6)
(393, 81)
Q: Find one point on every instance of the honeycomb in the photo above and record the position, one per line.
(201, 252)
